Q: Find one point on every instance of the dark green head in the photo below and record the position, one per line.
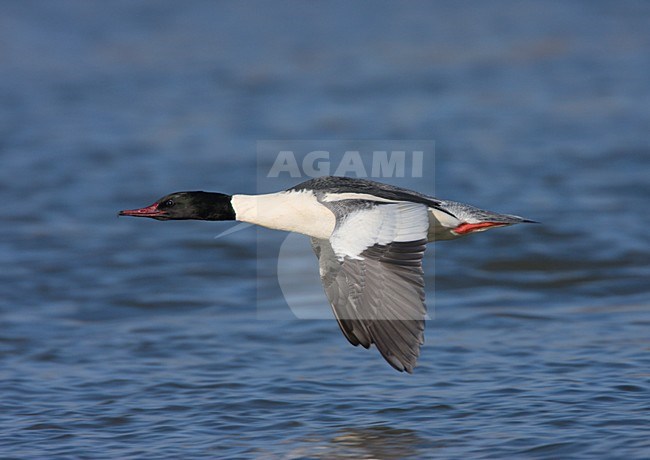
(187, 205)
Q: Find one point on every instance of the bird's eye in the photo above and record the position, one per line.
(169, 203)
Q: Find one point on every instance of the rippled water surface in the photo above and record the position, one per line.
(125, 338)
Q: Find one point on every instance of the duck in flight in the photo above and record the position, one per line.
(369, 238)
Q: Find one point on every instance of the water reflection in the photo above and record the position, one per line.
(380, 441)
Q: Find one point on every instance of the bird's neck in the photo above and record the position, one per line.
(291, 211)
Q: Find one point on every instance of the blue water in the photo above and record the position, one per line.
(126, 338)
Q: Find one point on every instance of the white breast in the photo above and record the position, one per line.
(290, 211)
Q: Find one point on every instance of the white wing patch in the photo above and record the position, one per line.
(355, 196)
(382, 224)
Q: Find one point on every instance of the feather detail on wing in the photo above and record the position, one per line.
(371, 269)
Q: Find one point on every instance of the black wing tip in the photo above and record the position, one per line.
(401, 366)
(404, 363)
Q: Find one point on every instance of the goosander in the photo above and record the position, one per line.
(369, 239)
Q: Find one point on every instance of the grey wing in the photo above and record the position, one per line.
(378, 297)
(343, 296)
